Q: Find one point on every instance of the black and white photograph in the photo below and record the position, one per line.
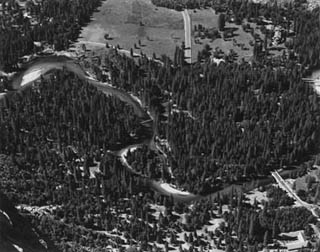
(159, 125)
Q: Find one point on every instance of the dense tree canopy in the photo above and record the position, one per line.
(219, 125)
(248, 119)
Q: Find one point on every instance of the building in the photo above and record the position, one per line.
(294, 240)
(289, 242)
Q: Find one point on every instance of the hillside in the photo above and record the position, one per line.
(102, 150)
(17, 233)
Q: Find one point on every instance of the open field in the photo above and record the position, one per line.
(142, 26)
(160, 30)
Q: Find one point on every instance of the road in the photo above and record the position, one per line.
(311, 207)
(287, 188)
(187, 35)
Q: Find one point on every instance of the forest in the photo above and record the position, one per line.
(88, 216)
(224, 124)
(50, 150)
(249, 120)
(55, 22)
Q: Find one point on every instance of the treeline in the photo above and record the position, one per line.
(55, 22)
(241, 9)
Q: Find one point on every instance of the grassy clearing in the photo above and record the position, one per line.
(301, 183)
(160, 30)
(256, 195)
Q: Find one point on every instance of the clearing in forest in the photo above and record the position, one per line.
(239, 38)
(127, 22)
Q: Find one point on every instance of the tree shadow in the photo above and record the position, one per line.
(230, 29)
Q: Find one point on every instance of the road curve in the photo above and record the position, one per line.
(187, 35)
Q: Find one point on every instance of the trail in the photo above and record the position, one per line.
(44, 65)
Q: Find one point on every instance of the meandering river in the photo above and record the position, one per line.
(44, 65)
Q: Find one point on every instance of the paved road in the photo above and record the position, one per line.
(287, 188)
(187, 35)
(311, 207)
